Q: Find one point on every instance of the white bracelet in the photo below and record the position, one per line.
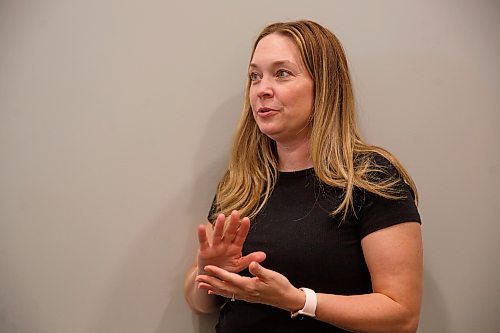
(309, 308)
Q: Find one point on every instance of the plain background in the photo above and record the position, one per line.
(115, 122)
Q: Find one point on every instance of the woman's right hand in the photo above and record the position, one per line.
(225, 250)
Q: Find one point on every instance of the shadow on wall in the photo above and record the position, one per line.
(214, 150)
(433, 306)
(143, 283)
(154, 265)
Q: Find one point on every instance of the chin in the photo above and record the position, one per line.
(273, 136)
(270, 133)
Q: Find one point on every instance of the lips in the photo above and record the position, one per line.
(265, 112)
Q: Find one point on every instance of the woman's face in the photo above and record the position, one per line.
(281, 90)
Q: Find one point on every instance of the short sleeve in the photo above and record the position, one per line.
(377, 212)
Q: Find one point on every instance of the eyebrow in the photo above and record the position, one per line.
(276, 64)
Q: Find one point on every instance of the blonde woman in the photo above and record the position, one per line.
(312, 229)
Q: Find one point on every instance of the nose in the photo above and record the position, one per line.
(265, 89)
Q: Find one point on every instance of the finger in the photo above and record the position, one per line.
(257, 270)
(203, 285)
(232, 227)
(214, 291)
(219, 229)
(242, 232)
(223, 275)
(202, 237)
(235, 216)
(212, 282)
(245, 261)
(225, 294)
(223, 283)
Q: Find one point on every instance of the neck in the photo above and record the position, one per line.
(293, 156)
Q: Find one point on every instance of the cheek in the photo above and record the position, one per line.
(307, 99)
(303, 100)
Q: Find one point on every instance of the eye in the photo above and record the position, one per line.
(283, 74)
(254, 76)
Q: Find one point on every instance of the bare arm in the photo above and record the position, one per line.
(394, 258)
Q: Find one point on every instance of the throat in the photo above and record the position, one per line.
(294, 157)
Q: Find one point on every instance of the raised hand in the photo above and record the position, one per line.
(267, 287)
(225, 250)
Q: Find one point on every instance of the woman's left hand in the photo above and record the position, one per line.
(266, 287)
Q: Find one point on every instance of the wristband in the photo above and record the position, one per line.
(309, 308)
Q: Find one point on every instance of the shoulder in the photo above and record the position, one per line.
(381, 173)
(386, 198)
(376, 167)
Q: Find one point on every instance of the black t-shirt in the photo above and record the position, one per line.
(311, 248)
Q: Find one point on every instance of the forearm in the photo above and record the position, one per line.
(368, 313)
(198, 299)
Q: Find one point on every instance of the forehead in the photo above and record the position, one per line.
(276, 47)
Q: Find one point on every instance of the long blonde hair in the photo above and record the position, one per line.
(339, 155)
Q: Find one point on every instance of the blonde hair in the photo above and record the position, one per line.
(339, 155)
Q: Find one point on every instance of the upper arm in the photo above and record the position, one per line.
(394, 258)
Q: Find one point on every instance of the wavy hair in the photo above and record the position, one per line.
(339, 155)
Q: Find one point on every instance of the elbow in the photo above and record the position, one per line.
(409, 324)
(200, 308)
(198, 302)
(200, 312)
(409, 329)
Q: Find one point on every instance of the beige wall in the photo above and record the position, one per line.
(116, 118)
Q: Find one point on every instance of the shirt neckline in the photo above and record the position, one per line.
(295, 174)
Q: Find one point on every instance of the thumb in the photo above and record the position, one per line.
(249, 258)
(257, 270)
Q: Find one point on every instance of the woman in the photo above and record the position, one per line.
(330, 213)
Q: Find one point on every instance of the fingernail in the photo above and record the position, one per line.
(210, 292)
